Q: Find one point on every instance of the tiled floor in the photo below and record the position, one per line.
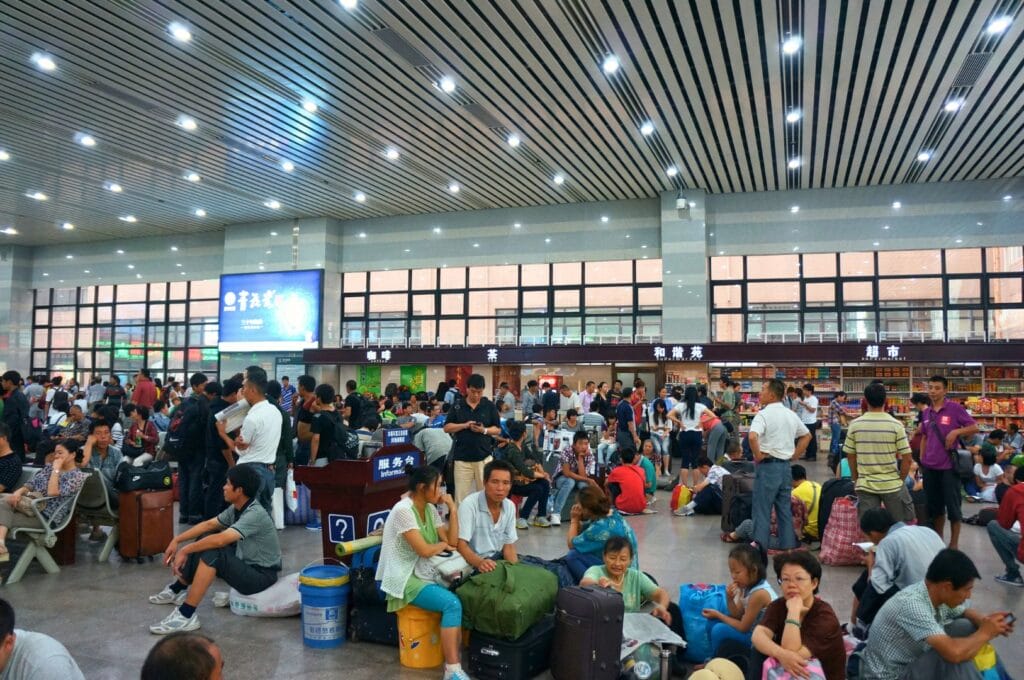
(100, 612)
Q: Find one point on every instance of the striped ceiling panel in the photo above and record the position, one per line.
(873, 93)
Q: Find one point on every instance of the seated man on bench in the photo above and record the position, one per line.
(239, 545)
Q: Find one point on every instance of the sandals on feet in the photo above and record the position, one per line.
(727, 537)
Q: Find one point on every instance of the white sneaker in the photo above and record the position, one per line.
(174, 623)
(683, 512)
(221, 598)
(168, 596)
(456, 675)
(555, 520)
(521, 523)
(539, 521)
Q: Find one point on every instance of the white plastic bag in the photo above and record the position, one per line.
(279, 600)
(278, 508)
(291, 492)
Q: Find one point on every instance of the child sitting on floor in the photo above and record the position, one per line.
(707, 496)
(747, 596)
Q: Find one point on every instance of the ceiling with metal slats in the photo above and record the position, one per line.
(879, 92)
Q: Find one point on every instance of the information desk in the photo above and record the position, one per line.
(355, 496)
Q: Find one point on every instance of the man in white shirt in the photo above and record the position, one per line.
(257, 443)
(587, 396)
(487, 520)
(807, 409)
(25, 655)
(772, 435)
(569, 399)
(505, 395)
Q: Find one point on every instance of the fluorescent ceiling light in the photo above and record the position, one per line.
(792, 45)
(272, 204)
(999, 25)
(187, 123)
(179, 32)
(447, 84)
(44, 61)
(794, 116)
(610, 64)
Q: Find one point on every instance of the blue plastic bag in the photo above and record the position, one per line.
(693, 599)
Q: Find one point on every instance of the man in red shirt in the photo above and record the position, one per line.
(625, 486)
(145, 390)
(1000, 530)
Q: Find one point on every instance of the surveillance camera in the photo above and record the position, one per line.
(682, 203)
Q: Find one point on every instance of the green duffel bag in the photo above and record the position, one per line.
(507, 601)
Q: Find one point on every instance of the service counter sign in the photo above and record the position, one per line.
(396, 435)
(272, 311)
(392, 466)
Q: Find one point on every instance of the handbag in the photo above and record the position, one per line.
(774, 670)
(24, 505)
(963, 461)
(444, 569)
(154, 475)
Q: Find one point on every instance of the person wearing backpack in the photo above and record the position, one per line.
(189, 435)
(285, 451)
(329, 433)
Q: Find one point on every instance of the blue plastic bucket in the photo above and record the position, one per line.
(324, 590)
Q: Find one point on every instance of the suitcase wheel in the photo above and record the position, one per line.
(140, 560)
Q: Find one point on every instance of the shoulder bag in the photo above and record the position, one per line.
(963, 461)
(446, 569)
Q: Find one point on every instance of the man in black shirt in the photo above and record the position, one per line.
(550, 398)
(10, 463)
(327, 428)
(473, 422)
(15, 411)
(353, 406)
(218, 458)
(305, 407)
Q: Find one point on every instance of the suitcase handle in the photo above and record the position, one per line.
(490, 651)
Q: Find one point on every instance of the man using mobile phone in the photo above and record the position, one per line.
(474, 423)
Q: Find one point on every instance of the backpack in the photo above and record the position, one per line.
(177, 433)
(741, 509)
(344, 442)
(180, 440)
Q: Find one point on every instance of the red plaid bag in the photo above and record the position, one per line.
(799, 513)
(842, 531)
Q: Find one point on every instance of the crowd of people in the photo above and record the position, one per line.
(494, 475)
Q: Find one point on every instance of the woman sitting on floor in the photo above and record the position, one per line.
(593, 523)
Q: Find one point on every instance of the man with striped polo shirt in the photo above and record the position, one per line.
(879, 455)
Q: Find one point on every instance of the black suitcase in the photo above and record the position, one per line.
(373, 623)
(492, 658)
(588, 634)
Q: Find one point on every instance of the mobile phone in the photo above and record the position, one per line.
(1010, 618)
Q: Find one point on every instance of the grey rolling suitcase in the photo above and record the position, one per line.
(588, 634)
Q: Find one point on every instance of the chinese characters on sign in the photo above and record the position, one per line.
(874, 353)
(393, 466)
(492, 355)
(381, 357)
(679, 353)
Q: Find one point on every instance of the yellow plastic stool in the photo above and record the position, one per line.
(419, 638)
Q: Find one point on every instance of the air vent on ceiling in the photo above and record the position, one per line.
(971, 69)
(483, 115)
(402, 47)
(114, 93)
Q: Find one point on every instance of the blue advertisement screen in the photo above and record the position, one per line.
(272, 311)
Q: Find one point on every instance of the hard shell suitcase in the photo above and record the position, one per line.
(735, 484)
(146, 523)
(492, 658)
(373, 623)
(588, 634)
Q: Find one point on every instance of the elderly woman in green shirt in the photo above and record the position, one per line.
(531, 481)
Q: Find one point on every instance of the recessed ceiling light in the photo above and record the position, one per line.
(610, 64)
(273, 205)
(447, 84)
(517, 225)
(131, 266)
(4, 155)
(287, 166)
(174, 249)
(44, 61)
(349, 4)
(68, 226)
(792, 45)
(407, 250)
(693, 204)
(796, 248)
(86, 271)
(627, 235)
(924, 156)
(643, 245)
(37, 196)
(391, 154)
(604, 218)
(46, 273)
(179, 32)
(273, 233)
(647, 128)
(999, 25)
(362, 234)
(85, 140)
(896, 205)
(10, 231)
(876, 243)
(794, 209)
(513, 140)
(268, 252)
(547, 240)
(794, 116)
(182, 273)
(671, 171)
(309, 106)
(114, 187)
(187, 123)
(476, 245)
(69, 257)
(454, 188)
(192, 176)
(200, 212)
(128, 218)
(885, 226)
(959, 240)
(953, 105)
(120, 252)
(558, 179)
(721, 252)
(359, 197)
(178, 265)
(793, 163)
(1007, 197)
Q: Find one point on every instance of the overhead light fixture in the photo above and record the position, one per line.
(174, 249)
(796, 248)
(360, 197)
(447, 84)
(273, 205)
(113, 187)
(671, 171)
(37, 196)
(794, 116)
(200, 212)
(44, 61)
(792, 45)
(647, 128)
(1007, 197)
(517, 225)
(407, 250)
(558, 179)
(131, 266)
(886, 226)
(547, 240)
(391, 154)
(179, 32)
(876, 244)
(644, 245)
(273, 233)
(437, 230)
(187, 123)
(794, 209)
(692, 204)
(287, 166)
(67, 226)
(85, 140)
(349, 4)
(998, 25)
(69, 256)
(128, 218)
(980, 224)
(959, 240)
(454, 188)
(4, 156)
(896, 205)
(86, 271)
(794, 163)
(953, 105)
(192, 176)
(924, 156)
(513, 140)
(604, 218)
(10, 231)
(309, 106)
(476, 245)
(120, 252)
(610, 64)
